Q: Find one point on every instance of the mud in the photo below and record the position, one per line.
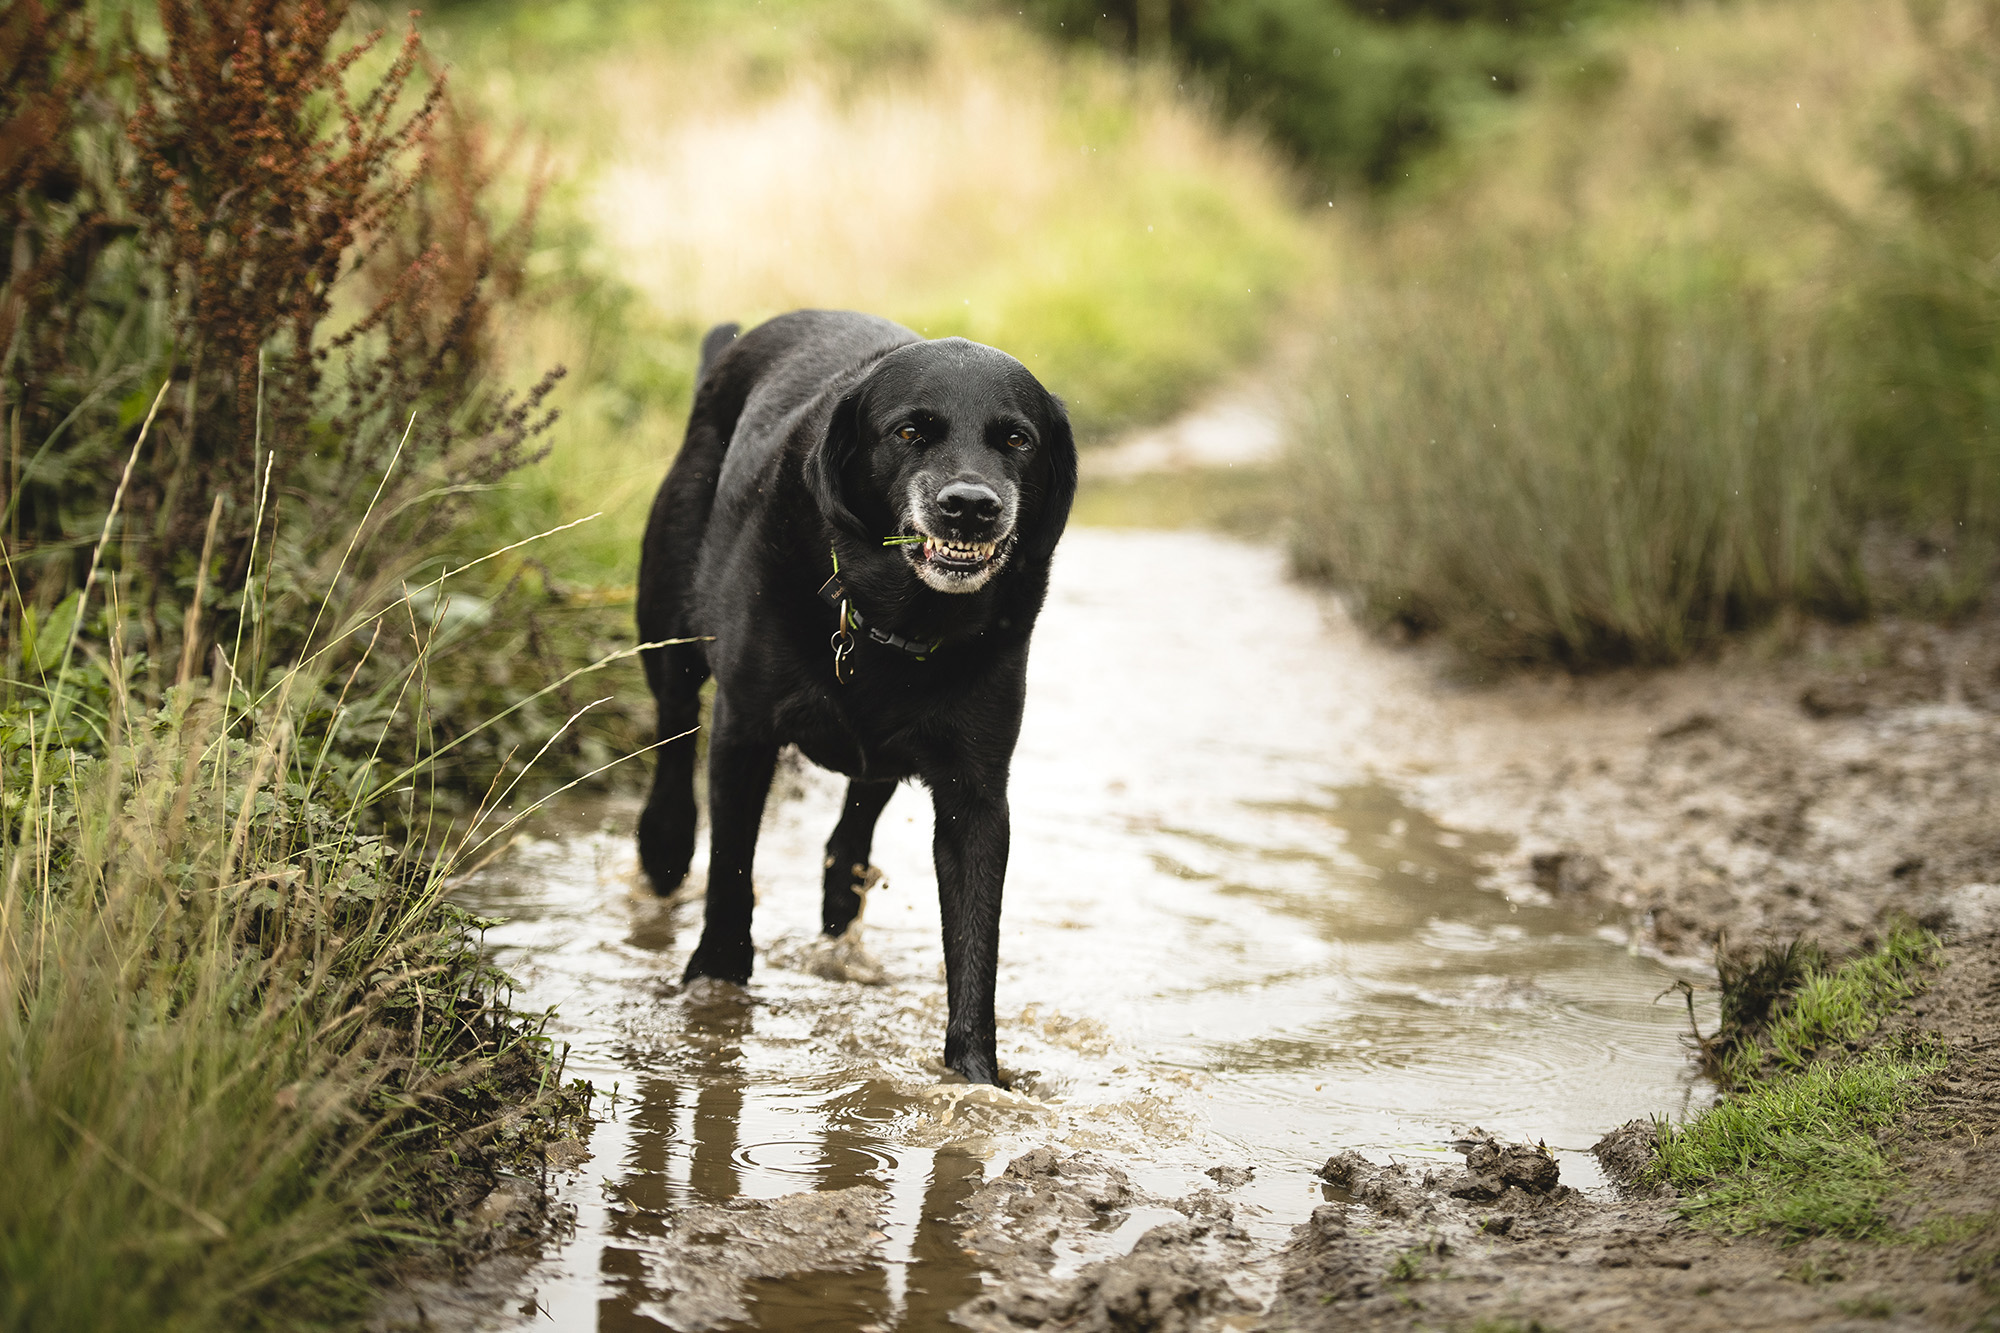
(1565, 1260)
(1179, 1275)
(1851, 778)
(1503, 1244)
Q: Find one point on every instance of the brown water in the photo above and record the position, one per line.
(1226, 942)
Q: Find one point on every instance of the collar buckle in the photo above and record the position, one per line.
(834, 594)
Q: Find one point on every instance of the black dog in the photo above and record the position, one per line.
(858, 527)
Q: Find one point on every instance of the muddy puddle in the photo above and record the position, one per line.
(1228, 947)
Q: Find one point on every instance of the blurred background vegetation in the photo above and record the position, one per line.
(1610, 326)
(1607, 326)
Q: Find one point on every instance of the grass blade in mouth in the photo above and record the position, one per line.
(908, 539)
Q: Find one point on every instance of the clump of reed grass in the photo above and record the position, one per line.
(1698, 337)
(1546, 464)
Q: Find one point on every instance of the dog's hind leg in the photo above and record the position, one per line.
(740, 763)
(667, 564)
(667, 824)
(847, 852)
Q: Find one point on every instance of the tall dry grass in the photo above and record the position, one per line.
(1694, 341)
(1549, 468)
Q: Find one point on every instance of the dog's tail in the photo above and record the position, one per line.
(713, 344)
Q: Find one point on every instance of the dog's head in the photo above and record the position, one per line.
(955, 452)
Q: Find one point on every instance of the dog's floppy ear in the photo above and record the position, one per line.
(1045, 526)
(826, 464)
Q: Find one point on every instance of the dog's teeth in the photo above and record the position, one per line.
(962, 550)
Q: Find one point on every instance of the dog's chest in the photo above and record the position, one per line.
(857, 732)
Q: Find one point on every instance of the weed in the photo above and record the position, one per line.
(1578, 407)
(1755, 983)
(1545, 464)
(1408, 1266)
(1793, 1145)
(246, 1048)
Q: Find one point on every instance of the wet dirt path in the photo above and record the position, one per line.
(1228, 943)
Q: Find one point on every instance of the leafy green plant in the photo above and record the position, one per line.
(244, 206)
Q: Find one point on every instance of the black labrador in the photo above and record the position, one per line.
(857, 532)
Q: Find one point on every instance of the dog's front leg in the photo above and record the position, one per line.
(970, 847)
(740, 761)
(847, 853)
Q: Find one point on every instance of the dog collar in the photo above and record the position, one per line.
(834, 593)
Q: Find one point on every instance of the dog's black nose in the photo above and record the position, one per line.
(969, 499)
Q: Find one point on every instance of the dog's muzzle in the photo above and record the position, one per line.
(960, 536)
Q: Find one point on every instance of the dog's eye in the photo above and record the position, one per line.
(908, 434)
(1017, 441)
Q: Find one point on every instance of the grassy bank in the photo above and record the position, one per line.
(1698, 336)
(1802, 1141)
(250, 1051)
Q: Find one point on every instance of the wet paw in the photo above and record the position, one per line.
(846, 895)
(974, 1066)
(729, 961)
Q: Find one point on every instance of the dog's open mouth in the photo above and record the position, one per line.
(958, 557)
(950, 565)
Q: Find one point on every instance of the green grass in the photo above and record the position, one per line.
(1817, 1006)
(1796, 1153)
(1795, 1145)
(1851, 1000)
(248, 1051)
